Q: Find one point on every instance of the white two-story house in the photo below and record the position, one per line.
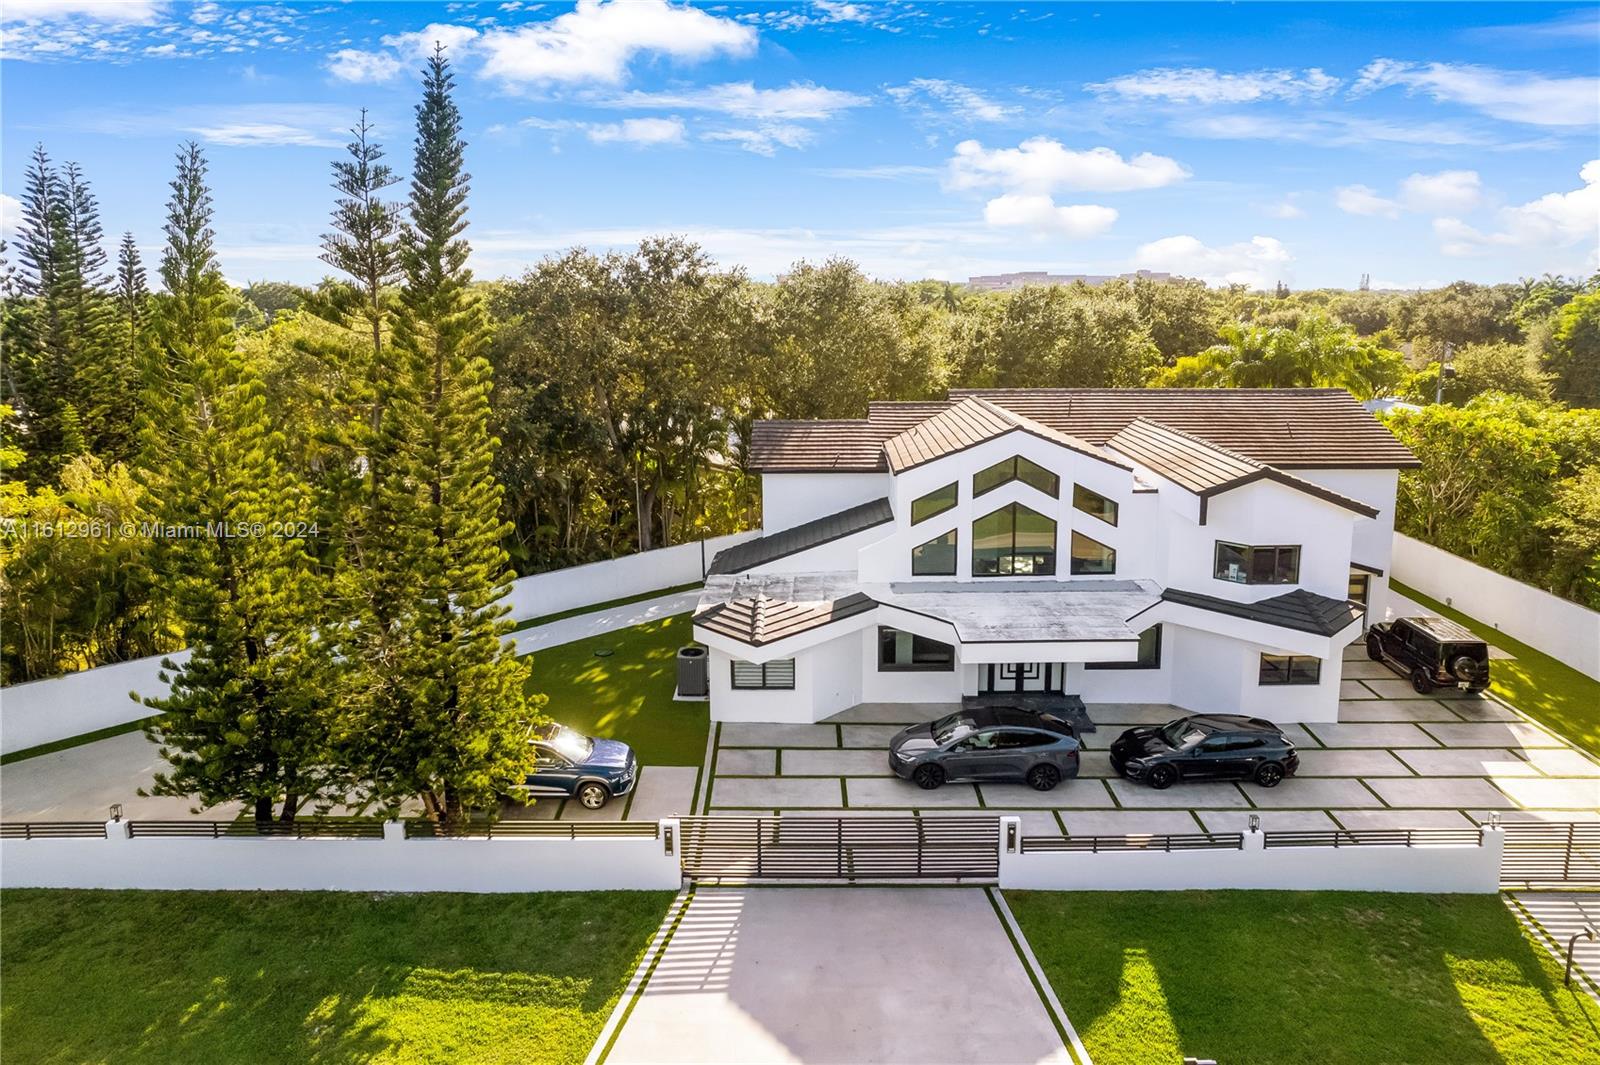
(1215, 549)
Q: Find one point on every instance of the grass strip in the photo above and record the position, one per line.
(75, 741)
(545, 619)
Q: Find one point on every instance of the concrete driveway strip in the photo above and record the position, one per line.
(839, 976)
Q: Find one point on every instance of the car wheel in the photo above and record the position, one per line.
(1163, 777)
(1043, 777)
(1269, 775)
(928, 777)
(1374, 647)
(1421, 681)
(593, 796)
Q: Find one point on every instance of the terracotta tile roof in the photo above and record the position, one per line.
(1206, 469)
(763, 620)
(814, 533)
(965, 424)
(1304, 428)
(1300, 610)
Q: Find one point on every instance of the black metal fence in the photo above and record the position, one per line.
(1196, 841)
(301, 828)
(1551, 854)
(421, 828)
(840, 848)
(1374, 837)
(53, 830)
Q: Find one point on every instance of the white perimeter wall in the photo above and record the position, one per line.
(393, 863)
(1561, 629)
(1450, 869)
(58, 708)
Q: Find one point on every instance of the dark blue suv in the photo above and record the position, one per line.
(573, 765)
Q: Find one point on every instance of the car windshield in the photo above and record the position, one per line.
(574, 746)
(1181, 734)
(951, 728)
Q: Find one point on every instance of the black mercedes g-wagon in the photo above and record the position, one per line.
(1432, 652)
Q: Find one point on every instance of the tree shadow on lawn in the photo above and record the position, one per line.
(1270, 977)
(626, 694)
(329, 978)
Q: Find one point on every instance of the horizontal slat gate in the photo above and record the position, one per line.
(1557, 854)
(841, 848)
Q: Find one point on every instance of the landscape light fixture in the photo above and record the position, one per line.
(1586, 932)
(116, 811)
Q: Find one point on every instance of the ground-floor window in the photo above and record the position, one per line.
(778, 675)
(906, 652)
(1290, 669)
(1149, 653)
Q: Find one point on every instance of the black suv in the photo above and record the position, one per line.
(1206, 747)
(1433, 652)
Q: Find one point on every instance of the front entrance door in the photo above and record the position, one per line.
(1004, 678)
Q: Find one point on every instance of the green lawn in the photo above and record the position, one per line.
(211, 978)
(1547, 690)
(627, 694)
(1276, 977)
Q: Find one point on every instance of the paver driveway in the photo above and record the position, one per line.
(839, 975)
(1393, 760)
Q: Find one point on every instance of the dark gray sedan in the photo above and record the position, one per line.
(991, 743)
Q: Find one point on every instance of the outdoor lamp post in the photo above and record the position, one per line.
(1586, 932)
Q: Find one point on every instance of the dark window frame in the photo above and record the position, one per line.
(1112, 503)
(1292, 672)
(1072, 557)
(1013, 554)
(1357, 577)
(954, 487)
(1138, 663)
(913, 666)
(955, 555)
(1249, 567)
(766, 685)
(1054, 491)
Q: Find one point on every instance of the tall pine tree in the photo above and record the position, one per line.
(246, 719)
(440, 710)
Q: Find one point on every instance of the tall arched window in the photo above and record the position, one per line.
(1013, 542)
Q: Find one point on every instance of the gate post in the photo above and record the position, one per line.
(1008, 844)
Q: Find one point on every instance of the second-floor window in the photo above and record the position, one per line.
(936, 558)
(1016, 468)
(1091, 558)
(935, 502)
(1257, 565)
(1013, 542)
(1092, 502)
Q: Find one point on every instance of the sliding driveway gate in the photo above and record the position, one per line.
(1551, 855)
(841, 848)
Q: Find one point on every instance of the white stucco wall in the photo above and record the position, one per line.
(744, 704)
(393, 863)
(1264, 514)
(790, 499)
(1431, 869)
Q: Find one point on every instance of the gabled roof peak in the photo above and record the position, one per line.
(969, 422)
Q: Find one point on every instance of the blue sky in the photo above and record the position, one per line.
(1250, 142)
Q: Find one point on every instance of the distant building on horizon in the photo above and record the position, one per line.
(1019, 278)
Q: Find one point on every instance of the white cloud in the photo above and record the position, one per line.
(1042, 165)
(1560, 219)
(127, 11)
(262, 135)
(418, 44)
(1513, 96)
(643, 132)
(1285, 208)
(10, 216)
(955, 99)
(354, 65)
(765, 139)
(1258, 262)
(1364, 200)
(1202, 85)
(741, 99)
(1449, 191)
(598, 40)
(842, 12)
(1040, 213)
